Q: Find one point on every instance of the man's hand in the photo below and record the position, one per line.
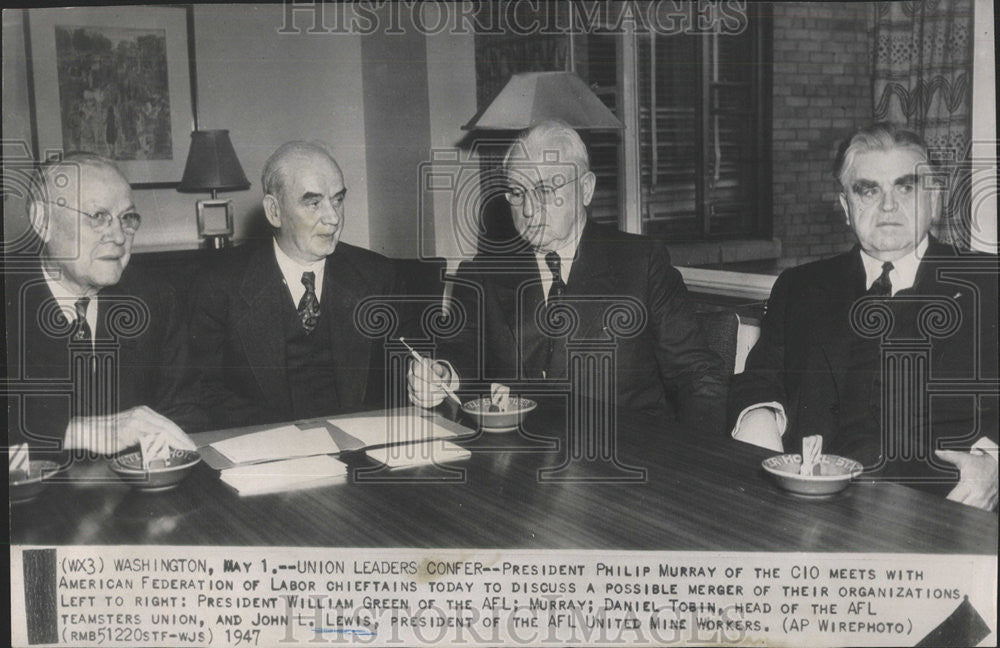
(759, 427)
(977, 485)
(424, 380)
(115, 432)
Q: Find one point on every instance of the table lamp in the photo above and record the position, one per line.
(212, 166)
(532, 97)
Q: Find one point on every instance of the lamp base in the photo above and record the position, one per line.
(216, 242)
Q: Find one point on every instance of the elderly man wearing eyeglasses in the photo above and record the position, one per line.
(94, 349)
(568, 265)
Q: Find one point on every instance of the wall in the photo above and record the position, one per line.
(822, 90)
(984, 130)
(397, 134)
(16, 124)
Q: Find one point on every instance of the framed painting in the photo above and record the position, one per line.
(115, 81)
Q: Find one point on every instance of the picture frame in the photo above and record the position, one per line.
(115, 82)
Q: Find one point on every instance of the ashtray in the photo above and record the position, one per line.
(26, 485)
(162, 474)
(831, 474)
(505, 421)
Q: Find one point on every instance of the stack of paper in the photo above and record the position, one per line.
(419, 454)
(399, 427)
(281, 476)
(283, 442)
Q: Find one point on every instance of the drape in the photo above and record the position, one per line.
(922, 80)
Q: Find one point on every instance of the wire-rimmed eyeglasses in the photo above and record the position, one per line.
(542, 193)
(102, 218)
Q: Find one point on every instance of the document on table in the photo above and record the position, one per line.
(401, 426)
(418, 454)
(282, 442)
(281, 476)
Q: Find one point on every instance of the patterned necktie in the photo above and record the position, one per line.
(309, 306)
(558, 287)
(81, 330)
(882, 287)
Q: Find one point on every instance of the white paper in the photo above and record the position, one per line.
(418, 454)
(277, 476)
(153, 447)
(401, 428)
(282, 442)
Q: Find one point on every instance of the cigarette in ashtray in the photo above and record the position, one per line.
(154, 447)
(812, 447)
(499, 397)
(19, 459)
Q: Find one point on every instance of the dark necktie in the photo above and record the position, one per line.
(558, 285)
(81, 330)
(309, 306)
(882, 287)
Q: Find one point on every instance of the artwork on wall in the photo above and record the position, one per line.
(115, 81)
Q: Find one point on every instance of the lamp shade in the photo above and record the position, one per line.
(533, 97)
(212, 164)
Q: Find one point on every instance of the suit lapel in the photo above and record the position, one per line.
(591, 274)
(259, 325)
(833, 302)
(343, 287)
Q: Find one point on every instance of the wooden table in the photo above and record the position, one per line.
(698, 494)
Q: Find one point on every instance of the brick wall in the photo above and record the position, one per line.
(822, 91)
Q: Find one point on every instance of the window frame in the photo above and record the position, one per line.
(630, 163)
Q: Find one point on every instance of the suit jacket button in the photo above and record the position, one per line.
(835, 409)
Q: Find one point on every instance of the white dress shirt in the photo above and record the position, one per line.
(567, 253)
(904, 269)
(291, 272)
(67, 303)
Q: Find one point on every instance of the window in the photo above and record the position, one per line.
(704, 144)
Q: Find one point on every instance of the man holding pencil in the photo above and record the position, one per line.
(572, 269)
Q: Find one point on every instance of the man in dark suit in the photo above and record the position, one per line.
(273, 327)
(617, 288)
(852, 347)
(95, 349)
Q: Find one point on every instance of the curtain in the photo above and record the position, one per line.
(922, 80)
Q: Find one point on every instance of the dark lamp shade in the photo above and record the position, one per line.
(212, 164)
(533, 97)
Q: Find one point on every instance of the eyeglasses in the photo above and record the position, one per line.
(102, 218)
(542, 193)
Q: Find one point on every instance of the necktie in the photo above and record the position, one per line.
(309, 306)
(882, 287)
(558, 285)
(81, 330)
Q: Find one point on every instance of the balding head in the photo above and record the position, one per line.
(274, 177)
(550, 141)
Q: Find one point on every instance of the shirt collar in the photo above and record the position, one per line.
(67, 300)
(904, 269)
(292, 271)
(567, 253)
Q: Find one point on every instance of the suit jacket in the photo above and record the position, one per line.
(237, 334)
(811, 359)
(138, 323)
(621, 288)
